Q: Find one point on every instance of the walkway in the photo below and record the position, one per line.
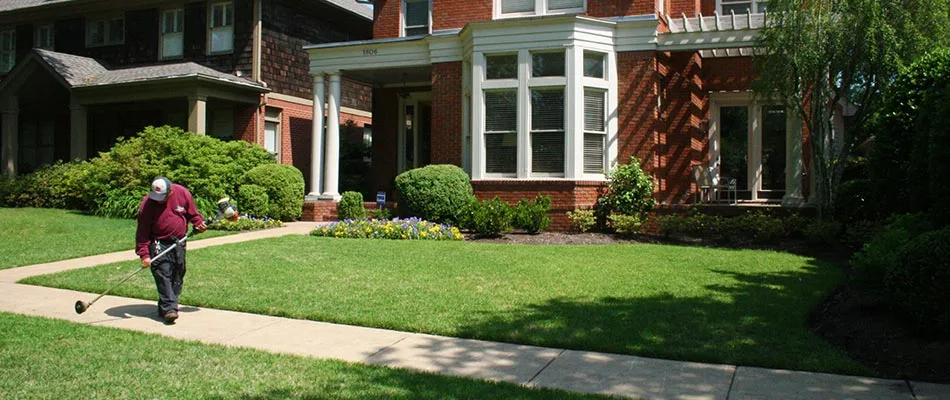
(579, 371)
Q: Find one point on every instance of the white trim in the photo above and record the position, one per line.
(309, 103)
(414, 99)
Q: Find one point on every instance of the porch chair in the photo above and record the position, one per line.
(709, 191)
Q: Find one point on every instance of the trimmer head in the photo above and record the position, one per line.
(81, 306)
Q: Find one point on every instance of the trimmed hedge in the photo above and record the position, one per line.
(284, 185)
(253, 200)
(351, 206)
(919, 283)
(437, 193)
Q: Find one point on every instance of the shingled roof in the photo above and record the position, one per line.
(347, 5)
(80, 71)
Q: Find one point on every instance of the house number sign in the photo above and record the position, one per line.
(370, 52)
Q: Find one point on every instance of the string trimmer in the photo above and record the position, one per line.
(226, 210)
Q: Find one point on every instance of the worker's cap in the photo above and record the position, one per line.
(160, 187)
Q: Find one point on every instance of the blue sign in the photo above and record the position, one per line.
(381, 198)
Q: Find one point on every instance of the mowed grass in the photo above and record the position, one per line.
(39, 235)
(727, 306)
(48, 359)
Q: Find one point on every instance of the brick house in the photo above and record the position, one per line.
(548, 96)
(77, 74)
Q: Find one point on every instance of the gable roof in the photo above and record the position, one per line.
(78, 71)
(347, 5)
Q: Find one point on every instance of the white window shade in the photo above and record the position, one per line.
(270, 137)
(593, 110)
(547, 131)
(517, 6)
(501, 136)
(172, 45)
(595, 133)
(564, 4)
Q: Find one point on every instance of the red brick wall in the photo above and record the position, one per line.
(613, 8)
(386, 18)
(454, 14)
(727, 74)
(708, 7)
(447, 113)
(637, 93)
(678, 7)
(684, 108)
(245, 127)
(565, 195)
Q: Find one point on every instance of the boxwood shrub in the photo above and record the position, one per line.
(919, 284)
(351, 206)
(253, 200)
(284, 185)
(437, 193)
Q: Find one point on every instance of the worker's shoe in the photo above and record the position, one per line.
(170, 317)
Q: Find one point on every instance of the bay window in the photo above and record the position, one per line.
(501, 131)
(547, 131)
(518, 8)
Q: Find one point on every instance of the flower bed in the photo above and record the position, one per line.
(399, 229)
(246, 223)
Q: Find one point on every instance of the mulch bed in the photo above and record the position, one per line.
(859, 326)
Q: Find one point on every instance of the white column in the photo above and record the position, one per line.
(78, 132)
(11, 132)
(574, 121)
(793, 162)
(755, 149)
(331, 189)
(197, 114)
(316, 138)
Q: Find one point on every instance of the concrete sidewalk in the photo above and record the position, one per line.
(579, 371)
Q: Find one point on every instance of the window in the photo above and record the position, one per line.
(272, 132)
(222, 28)
(7, 50)
(44, 37)
(105, 32)
(727, 7)
(593, 65)
(415, 17)
(501, 131)
(595, 130)
(547, 64)
(501, 67)
(547, 131)
(173, 28)
(517, 8)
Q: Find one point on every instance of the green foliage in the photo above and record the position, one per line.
(437, 193)
(532, 216)
(881, 253)
(816, 55)
(919, 284)
(630, 191)
(491, 218)
(253, 200)
(284, 185)
(119, 203)
(582, 220)
(756, 226)
(822, 232)
(399, 229)
(351, 206)
(910, 161)
(626, 225)
(245, 223)
(379, 213)
(59, 185)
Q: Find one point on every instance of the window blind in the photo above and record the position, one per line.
(501, 136)
(564, 4)
(517, 6)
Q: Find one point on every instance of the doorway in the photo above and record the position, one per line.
(415, 131)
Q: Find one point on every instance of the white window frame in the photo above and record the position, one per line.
(178, 35)
(38, 36)
(277, 120)
(228, 6)
(753, 5)
(107, 39)
(540, 8)
(402, 17)
(8, 58)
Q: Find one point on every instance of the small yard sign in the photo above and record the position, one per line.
(380, 199)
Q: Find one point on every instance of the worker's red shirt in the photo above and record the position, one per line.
(161, 221)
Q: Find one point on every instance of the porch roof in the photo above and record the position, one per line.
(350, 6)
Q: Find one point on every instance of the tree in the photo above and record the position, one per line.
(821, 56)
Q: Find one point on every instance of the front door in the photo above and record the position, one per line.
(415, 131)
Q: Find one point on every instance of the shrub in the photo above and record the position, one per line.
(532, 216)
(582, 220)
(670, 225)
(491, 218)
(630, 191)
(822, 232)
(379, 213)
(400, 229)
(284, 185)
(59, 185)
(756, 226)
(253, 200)
(436, 193)
(351, 206)
(919, 284)
(871, 263)
(120, 203)
(626, 225)
(246, 223)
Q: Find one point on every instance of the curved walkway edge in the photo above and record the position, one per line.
(580, 371)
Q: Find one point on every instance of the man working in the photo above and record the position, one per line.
(163, 219)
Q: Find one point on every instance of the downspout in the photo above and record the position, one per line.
(256, 67)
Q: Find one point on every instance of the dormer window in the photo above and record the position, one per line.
(415, 17)
(726, 7)
(521, 8)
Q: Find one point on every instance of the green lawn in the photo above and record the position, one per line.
(49, 359)
(729, 306)
(39, 235)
